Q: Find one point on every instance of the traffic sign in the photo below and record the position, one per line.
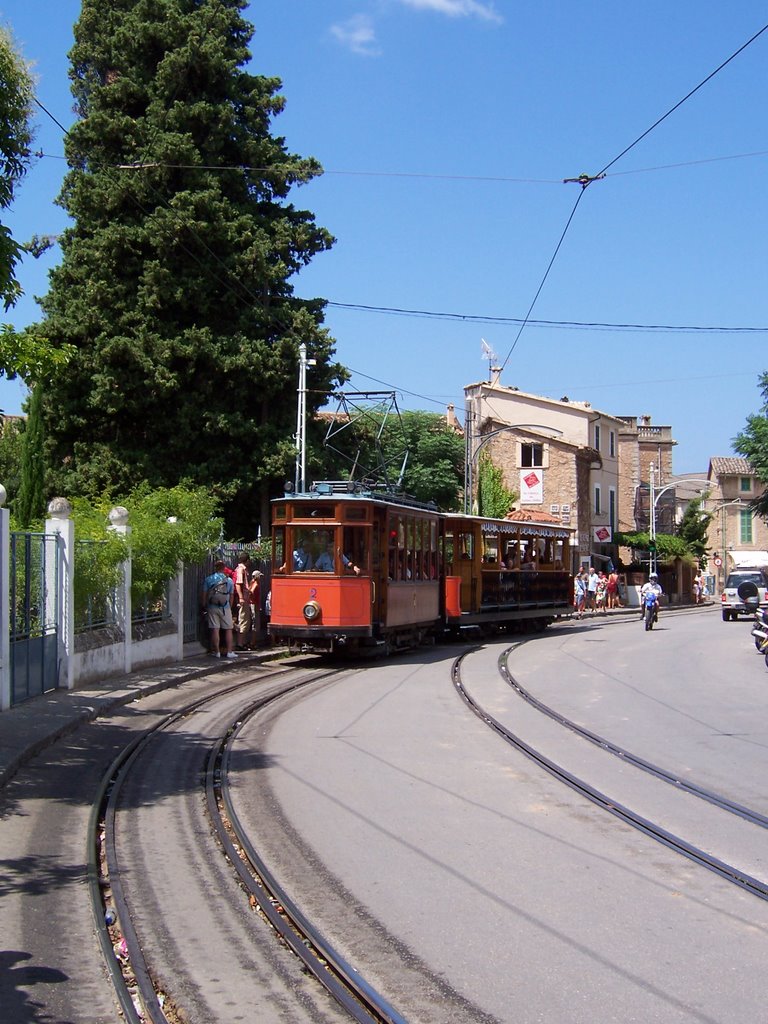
(718, 562)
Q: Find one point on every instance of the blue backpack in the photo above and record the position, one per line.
(218, 594)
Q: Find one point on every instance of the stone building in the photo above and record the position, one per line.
(736, 534)
(642, 445)
(561, 457)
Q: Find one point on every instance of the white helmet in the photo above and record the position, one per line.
(653, 576)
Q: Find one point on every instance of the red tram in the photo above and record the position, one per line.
(368, 572)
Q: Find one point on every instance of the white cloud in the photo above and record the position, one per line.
(457, 8)
(358, 34)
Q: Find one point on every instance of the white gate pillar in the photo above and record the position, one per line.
(5, 603)
(60, 587)
(118, 522)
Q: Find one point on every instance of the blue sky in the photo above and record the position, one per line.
(445, 128)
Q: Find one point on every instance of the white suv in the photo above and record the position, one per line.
(740, 590)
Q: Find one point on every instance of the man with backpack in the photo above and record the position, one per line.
(216, 600)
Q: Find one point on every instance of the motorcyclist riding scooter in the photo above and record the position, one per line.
(649, 595)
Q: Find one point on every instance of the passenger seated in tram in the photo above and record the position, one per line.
(324, 561)
(529, 558)
(302, 557)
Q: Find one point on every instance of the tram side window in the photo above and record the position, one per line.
(432, 553)
(392, 532)
(278, 550)
(410, 561)
(355, 548)
(491, 550)
(448, 552)
(466, 546)
(418, 550)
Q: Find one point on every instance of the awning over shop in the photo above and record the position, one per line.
(757, 559)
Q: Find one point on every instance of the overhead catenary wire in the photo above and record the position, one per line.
(570, 325)
(527, 320)
(585, 180)
(426, 175)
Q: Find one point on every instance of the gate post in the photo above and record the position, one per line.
(177, 604)
(5, 601)
(60, 524)
(118, 523)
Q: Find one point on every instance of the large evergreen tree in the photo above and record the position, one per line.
(175, 282)
(29, 504)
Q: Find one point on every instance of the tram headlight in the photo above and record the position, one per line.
(311, 611)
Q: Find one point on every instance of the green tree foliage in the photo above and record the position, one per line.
(435, 454)
(28, 354)
(22, 353)
(16, 92)
(667, 546)
(493, 498)
(168, 526)
(175, 281)
(29, 504)
(435, 467)
(752, 443)
(694, 527)
(11, 444)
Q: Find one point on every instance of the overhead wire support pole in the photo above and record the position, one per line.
(300, 480)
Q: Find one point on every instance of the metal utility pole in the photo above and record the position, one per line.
(300, 481)
(652, 534)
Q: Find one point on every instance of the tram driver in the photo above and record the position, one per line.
(302, 557)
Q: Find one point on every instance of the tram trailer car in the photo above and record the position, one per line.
(365, 572)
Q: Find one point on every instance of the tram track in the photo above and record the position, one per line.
(658, 772)
(140, 995)
(653, 830)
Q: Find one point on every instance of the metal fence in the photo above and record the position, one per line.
(152, 609)
(34, 575)
(95, 600)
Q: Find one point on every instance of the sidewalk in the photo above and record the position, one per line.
(30, 727)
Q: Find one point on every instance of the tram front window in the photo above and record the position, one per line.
(303, 553)
(354, 553)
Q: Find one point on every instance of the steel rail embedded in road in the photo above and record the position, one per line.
(128, 971)
(325, 963)
(685, 786)
(140, 1002)
(676, 843)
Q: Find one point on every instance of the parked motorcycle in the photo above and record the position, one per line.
(760, 629)
(651, 609)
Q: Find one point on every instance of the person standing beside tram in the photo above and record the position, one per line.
(244, 613)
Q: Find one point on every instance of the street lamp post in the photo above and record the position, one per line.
(655, 495)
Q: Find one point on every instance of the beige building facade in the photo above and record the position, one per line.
(561, 457)
(736, 534)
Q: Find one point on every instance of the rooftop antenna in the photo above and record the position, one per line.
(491, 356)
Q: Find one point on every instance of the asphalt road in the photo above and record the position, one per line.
(466, 884)
(453, 852)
